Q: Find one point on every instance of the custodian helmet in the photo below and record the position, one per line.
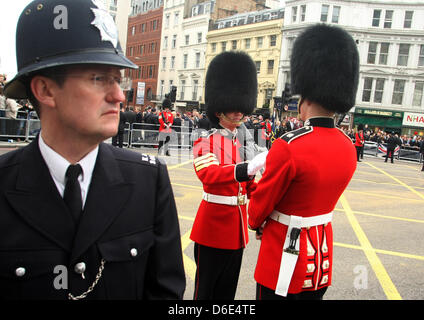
(53, 33)
(325, 67)
(231, 84)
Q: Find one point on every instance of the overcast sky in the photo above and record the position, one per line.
(9, 15)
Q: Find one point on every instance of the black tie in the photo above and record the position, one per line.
(72, 195)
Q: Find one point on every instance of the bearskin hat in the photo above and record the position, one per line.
(325, 67)
(231, 84)
(166, 103)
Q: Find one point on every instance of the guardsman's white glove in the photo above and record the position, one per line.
(257, 163)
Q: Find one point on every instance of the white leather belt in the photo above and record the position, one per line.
(228, 200)
(291, 247)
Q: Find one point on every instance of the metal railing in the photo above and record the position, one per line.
(148, 135)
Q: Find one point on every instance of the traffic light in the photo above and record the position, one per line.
(130, 95)
(173, 93)
(286, 95)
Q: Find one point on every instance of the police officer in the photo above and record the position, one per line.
(220, 227)
(392, 142)
(80, 219)
(293, 203)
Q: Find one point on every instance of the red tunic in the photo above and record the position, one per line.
(165, 117)
(303, 177)
(359, 139)
(216, 159)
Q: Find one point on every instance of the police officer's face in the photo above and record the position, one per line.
(89, 101)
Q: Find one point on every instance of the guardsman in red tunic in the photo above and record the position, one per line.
(166, 119)
(359, 141)
(293, 204)
(266, 131)
(220, 229)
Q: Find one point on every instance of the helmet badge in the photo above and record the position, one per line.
(104, 22)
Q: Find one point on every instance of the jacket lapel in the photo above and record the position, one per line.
(107, 195)
(37, 200)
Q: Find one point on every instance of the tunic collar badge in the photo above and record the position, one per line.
(104, 22)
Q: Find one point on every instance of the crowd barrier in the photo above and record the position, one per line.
(148, 135)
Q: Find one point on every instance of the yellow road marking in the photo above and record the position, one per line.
(383, 216)
(379, 270)
(397, 180)
(390, 253)
(189, 264)
(371, 194)
(385, 183)
(187, 186)
(180, 164)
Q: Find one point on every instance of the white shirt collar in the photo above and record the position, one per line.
(58, 165)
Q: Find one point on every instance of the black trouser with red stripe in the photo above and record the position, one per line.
(264, 293)
(217, 273)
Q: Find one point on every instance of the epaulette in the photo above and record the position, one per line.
(291, 135)
(207, 134)
(149, 159)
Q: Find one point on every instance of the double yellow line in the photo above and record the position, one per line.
(383, 277)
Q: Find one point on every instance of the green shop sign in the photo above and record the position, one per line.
(379, 112)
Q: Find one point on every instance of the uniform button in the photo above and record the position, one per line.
(20, 272)
(80, 268)
(134, 252)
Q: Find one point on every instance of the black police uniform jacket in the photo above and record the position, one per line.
(130, 205)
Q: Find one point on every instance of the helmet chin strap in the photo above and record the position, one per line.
(223, 116)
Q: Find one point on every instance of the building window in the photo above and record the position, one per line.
(187, 39)
(151, 71)
(421, 56)
(197, 59)
(174, 41)
(234, 44)
(270, 66)
(379, 89)
(182, 89)
(162, 87)
(294, 14)
(176, 18)
(195, 87)
(366, 93)
(302, 13)
(336, 14)
(165, 42)
(223, 46)
(213, 47)
(172, 62)
(133, 30)
(199, 37)
(167, 21)
(260, 41)
(398, 90)
(376, 18)
(388, 19)
(418, 94)
(273, 40)
(408, 19)
(403, 54)
(163, 63)
(258, 66)
(324, 12)
(247, 43)
(372, 52)
(384, 53)
(185, 57)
